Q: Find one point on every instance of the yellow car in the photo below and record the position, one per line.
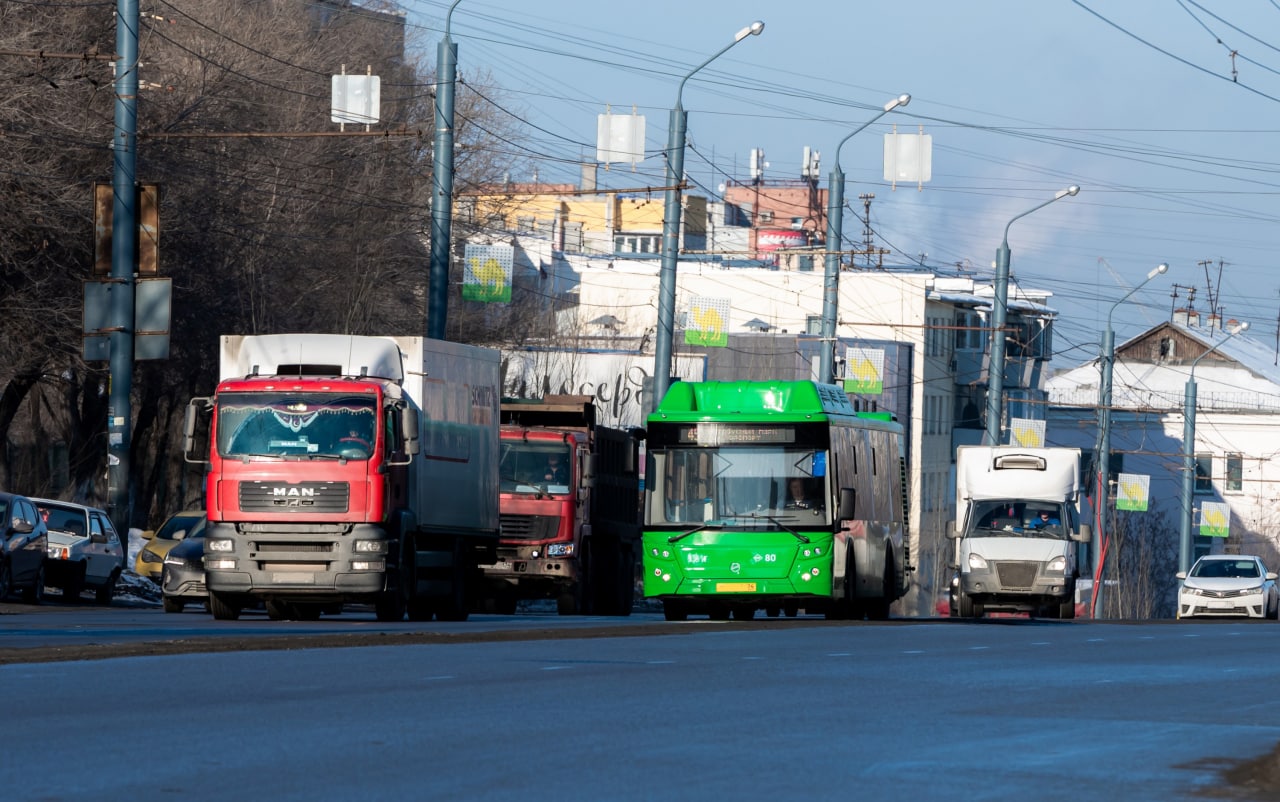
(178, 527)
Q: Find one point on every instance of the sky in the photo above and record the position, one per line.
(1165, 112)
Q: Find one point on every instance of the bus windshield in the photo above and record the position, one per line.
(740, 485)
(296, 425)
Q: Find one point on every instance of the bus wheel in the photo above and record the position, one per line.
(718, 612)
(674, 610)
(791, 610)
(772, 612)
(744, 613)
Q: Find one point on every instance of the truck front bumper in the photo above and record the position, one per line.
(1017, 584)
(269, 563)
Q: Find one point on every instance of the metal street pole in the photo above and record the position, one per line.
(671, 227)
(995, 378)
(1188, 452)
(1106, 362)
(124, 258)
(442, 184)
(835, 234)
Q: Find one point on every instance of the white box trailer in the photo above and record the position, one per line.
(1017, 530)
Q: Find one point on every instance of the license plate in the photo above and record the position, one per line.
(293, 578)
(735, 587)
(1220, 605)
(502, 565)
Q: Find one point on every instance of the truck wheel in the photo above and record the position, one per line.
(878, 609)
(420, 609)
(627, 583)
(222, 607)
(964, 604)
(568, 602)
(34, 593)
(278, 611)
(172, 605)
(307, 612)
(1067, 610)
(390, 605)
(6, 580)
(107, 592)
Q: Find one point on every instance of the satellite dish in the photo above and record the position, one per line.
(720, 189)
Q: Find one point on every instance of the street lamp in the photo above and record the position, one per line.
(1106, 363)
(671, 226)
(995, 380)
(835, 226)
(442, 183)
(1188, 451)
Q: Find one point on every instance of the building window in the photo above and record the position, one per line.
(1235, 472)
(968, 331)
(1204, 473)
(813, 324)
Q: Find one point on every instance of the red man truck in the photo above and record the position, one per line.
(348, 468)
(570, 502)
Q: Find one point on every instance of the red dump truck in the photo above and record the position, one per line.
(570, 509)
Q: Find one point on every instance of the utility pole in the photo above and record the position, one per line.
(124, 257)
(442, 184)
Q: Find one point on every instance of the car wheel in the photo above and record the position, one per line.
(107, 592)
(6, 580)
(74, 585)
(35, 593)
(172, 605)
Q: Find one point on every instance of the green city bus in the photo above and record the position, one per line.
(773, 495)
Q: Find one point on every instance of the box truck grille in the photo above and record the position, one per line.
(286, 497)
(1016, 574)
(529, 527)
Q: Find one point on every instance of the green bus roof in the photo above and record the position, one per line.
(756, 400)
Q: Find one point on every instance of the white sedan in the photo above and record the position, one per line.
(1236, 585)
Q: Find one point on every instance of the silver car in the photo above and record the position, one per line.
(85, 552)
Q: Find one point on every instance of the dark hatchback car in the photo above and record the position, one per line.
(24, 548)
(182, 576)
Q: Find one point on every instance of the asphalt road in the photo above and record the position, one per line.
(536, 707)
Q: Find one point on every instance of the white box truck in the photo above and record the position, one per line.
(1017, 530)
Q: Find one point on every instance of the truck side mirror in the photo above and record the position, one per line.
(1084, 535)
(953, 532)
(409, 426)
(189, 423)
(848, 508)
(589, 470)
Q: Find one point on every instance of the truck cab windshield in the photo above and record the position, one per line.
(300, 425)
(530, 466)
(1019, 518)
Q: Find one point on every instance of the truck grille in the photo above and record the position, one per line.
(290, 497)
(1016, 574)
(529, 527)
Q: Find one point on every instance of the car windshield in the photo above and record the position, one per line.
(179, 527)
(1226, 569)
(64, 519)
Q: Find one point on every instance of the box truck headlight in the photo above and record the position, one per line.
(217, 544)
(560, 550)
(219, 564)
(371, 546)
(977, 563)
(1057, 565)
(368, 565)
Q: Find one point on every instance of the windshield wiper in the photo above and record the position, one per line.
(683, 535)
(781, 525)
